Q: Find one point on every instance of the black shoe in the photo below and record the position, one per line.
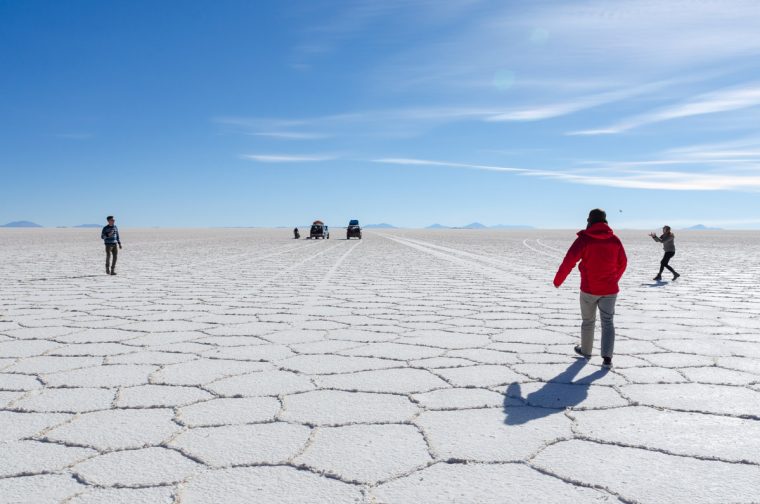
(113, 272)
(579, 351)
(675, 276)
(657, 278)
(607, 362)
(108, 271)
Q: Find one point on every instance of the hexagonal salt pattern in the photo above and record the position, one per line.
(156, 495)
(29, 457)
(117, 429)
(267, 443)
(366, 453)
(410, 366)
(145, 467)
(284, 485)
(48, 488)
(485, 484)
(658, 477)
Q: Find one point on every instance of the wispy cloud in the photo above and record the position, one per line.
(355, 17)
(427, 162)
(615, 175)
(577, 104)
(290, 135)
(288, 158)
(415, 120)
(663, 180)
(710, 103)
(586, 40)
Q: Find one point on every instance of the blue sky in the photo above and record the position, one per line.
(269, 113)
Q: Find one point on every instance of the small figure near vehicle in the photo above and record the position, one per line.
(353, 230)
(319, 230)
(296, 233)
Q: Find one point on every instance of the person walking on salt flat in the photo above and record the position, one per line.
(110, 236)
(669, 246)
(603, 262)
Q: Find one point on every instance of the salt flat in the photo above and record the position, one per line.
(240, 365)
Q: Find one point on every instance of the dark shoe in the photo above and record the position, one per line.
(607, 362)
(675, 276)
(580, 352)
(113, 272)
(657, 278)
(108, 271)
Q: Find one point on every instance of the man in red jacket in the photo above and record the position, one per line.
(603, 262)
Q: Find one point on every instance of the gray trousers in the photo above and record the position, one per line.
(111, 251)
(606, 305)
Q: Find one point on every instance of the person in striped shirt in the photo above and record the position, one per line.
(110, 236)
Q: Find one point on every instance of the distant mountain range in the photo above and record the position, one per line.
(30, 224)
(382, 225)
(702, 227)
(21, 224)
(478, 225)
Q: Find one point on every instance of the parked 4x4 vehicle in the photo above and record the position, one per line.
(353, 230)
(319, 230)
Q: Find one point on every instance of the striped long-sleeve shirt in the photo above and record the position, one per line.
(110, 235)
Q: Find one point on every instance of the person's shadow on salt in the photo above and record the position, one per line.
(657, 283)
(553, 397)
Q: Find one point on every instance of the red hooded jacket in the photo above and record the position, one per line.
(602, 257)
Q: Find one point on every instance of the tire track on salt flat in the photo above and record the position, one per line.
(477, 257)
(489, 271)
(324, 282)
(225, 259)
(258, 287)
(550, 247)
(544, 253)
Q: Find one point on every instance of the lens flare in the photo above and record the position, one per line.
(503, 79)
(539, 36)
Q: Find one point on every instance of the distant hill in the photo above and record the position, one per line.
(478, 225)
(22, 224)
(88, 226)
(382, 225)
(702, 227)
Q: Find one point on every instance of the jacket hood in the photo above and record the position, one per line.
(599, 230)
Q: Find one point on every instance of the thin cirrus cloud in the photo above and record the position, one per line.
(428, 162)
(577, 104)
(290, 135)
(583, 40)
(615, 175)
(288, 158)
(665, 180)
(725, 100)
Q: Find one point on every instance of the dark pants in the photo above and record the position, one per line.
(665, 261)
(111, 250)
